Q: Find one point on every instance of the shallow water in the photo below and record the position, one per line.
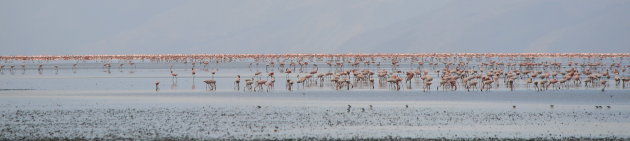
(91, 75)
(94, 102)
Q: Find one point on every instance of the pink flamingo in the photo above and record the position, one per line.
(174, 75)
(259, 84)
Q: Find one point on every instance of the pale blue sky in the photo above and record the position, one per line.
(58, 27)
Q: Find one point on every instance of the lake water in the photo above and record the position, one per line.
(92, 76)
(93, 102)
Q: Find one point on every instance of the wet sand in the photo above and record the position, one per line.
(313, 115)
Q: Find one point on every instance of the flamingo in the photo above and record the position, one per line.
(256, 74)
(553, 82)
(510, 84)
(603, 82)
(210, 84)
(487, 83)
(617, 80)
(409, 78)
(237, 81)
(270, 74)
(270, 84)
(259, 84)
(288, 71)
(213, 72)
(301, 80)
(248, 83)
(624, 80)
(174, 75)
(472, 85)
(289, 84)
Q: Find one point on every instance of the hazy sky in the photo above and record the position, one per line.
(58, 27)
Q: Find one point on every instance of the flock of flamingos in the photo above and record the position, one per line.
(442, 72)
